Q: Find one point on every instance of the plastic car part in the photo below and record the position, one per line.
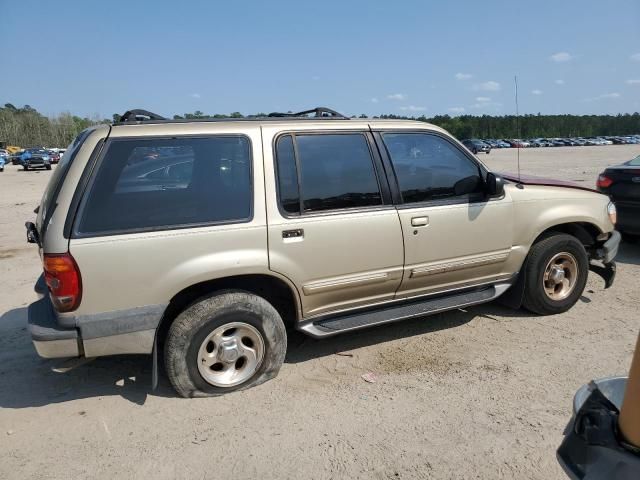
(592, 448)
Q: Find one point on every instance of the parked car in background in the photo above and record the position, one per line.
(35, 158)
(54, 156)
(518, 143)
(4, 159)
(476, 146)
(622, 184)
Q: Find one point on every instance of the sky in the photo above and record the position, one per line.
(373, 57)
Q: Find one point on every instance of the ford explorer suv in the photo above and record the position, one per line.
(202, 242)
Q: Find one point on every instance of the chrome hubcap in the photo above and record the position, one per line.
(560, 276)
(231, 354)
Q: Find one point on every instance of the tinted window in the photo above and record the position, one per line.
(160, 183)
(428, 167)
(287, 175)
(336, 171)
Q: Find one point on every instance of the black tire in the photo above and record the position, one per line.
(535, 298)
(25, 167)
(189, 330)
(48, 167)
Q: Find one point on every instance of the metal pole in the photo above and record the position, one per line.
(629, 420)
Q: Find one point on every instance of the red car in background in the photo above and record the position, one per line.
(54, 156)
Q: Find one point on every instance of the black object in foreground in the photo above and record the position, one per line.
(592, 449)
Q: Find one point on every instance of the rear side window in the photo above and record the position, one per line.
(153, 184)
(336, 171)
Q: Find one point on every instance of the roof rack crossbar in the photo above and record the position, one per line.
(319, 112)
(139, 115)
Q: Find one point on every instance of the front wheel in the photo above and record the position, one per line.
(25, 167)
(555, 274)
(48, 167)
(226, 342)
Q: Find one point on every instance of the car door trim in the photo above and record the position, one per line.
(349, 281)
(434, 268)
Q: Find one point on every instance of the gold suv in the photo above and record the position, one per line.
(201, 240)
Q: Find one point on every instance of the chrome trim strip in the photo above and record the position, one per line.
(436, 268)
(351, 281)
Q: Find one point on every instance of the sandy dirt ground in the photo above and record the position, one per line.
(482, 393)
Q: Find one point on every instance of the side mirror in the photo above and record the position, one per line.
(495, 185)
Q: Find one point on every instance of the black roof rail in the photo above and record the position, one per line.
(138, 115)
(319, 112)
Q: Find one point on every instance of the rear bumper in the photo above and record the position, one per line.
(50, 339)
(628, 217)
(96, 335)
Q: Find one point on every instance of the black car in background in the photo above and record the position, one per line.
(476, 145)
(622, 184)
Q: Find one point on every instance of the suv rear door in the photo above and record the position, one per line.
(454, 236)
(332, 227)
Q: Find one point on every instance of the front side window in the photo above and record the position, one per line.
(336, 171)
(428, 167)
(162, 183)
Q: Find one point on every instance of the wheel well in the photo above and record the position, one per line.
(585, 232)
(272, 289)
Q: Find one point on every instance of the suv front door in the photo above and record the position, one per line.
(333, 230)
(454, 235)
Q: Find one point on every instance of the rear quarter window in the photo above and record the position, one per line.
(155, 184)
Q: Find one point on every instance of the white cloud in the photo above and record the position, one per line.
(561, 57)
(559, 82)
(483, 99)
(633, 82)
(374, 100)
(195, 95)
(457, 110)
(397, 96)
(489, 86)
(635, 57)
(536, 92)
(463, 76)
(412, 108)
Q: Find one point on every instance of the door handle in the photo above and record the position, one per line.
(419, 221)
(298, 232)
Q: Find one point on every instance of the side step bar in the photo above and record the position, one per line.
(332, 325)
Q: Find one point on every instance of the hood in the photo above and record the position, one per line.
(546, 182)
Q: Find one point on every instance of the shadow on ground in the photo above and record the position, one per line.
(27, 380)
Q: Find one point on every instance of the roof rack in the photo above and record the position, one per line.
(138, 115)
(319, 112)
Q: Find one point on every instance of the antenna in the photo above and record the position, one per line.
(515, 80)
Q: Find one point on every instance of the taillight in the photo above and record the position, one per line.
(603, 181)
(63, 279)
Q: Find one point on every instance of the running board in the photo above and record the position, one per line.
(328, 326)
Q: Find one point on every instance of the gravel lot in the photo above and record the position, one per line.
(483, 393)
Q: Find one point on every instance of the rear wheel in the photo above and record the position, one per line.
(555, 274)
(229, 341)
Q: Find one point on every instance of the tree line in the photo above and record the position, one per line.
(27, 127)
